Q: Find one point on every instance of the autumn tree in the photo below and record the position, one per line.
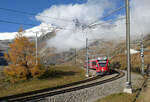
(21, 57)
(22, 51)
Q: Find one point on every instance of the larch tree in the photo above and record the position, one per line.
(22, 51)
(21, 57)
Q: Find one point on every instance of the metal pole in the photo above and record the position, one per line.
(142, 56)
(75, 56)
(87, 59)
(128, 88)
(36, 49)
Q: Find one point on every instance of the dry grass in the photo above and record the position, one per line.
(120, 61)
(145, 95)
(121, 97)
(61, 75)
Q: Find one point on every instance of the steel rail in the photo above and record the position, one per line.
(40, 94)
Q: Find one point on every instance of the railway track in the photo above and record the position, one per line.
(40, 94)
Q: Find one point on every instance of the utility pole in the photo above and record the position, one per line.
(75, 51)
(142, 55)
(128, 87)
(87, 59)
(36, 49)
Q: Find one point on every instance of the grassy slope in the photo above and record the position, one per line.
(135, 58)
(135, 61)
(144, 96)
(61, 75)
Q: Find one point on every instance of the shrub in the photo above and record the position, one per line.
(16, 73)
(37, 71)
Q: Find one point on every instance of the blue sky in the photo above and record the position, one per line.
(33, 6)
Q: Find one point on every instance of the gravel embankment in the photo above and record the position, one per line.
(93, 93)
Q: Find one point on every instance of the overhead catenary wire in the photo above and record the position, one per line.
(109, 14)
(12, 22)
(29, 13)
(90, 25)
(33, 14)
(32, 25)
(108, 21)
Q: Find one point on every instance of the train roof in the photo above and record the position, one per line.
(99, 58)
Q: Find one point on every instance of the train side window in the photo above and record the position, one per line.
(94, 63)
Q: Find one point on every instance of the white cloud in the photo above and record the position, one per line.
(91, 11)
(85, 13)
(140, 16)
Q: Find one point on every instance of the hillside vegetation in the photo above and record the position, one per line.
(119, 61)
(55, 76)
(25, 72)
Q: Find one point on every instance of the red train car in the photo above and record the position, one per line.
(101, 65)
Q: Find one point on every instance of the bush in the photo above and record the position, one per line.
(37, 71)
(16, 73)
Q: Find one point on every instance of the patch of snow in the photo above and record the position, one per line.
(133, 51)
(41, 29)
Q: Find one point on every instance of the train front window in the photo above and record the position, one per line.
(102, 64)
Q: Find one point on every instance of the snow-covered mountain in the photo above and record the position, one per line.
(41, 29)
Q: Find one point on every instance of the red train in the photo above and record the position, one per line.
(101, 65)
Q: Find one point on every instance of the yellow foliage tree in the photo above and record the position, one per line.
(21, 50)
(21, 57)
